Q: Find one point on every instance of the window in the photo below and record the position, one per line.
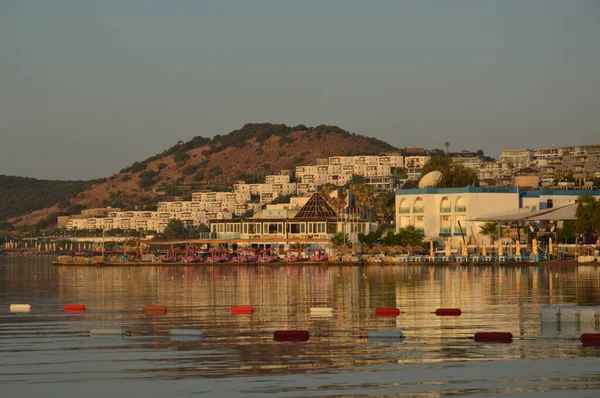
(316, 228)
(445, 206)
(254, 228)
(419, 206)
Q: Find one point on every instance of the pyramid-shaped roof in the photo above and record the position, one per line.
(316, 207)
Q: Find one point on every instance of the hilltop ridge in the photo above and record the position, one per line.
(249, 153)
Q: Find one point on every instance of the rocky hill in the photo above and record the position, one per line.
(246, 154)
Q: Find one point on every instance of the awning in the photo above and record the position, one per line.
(554, 214)
(564, 213)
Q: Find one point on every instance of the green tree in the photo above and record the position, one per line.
(6, 226)
(568, 232)
(203, 228)
(588, 215)
(453, 175)
(410, 236)
(385, 205)
(391, 239)
(340, 239)
(489, 229)
(281, 199)
(369, 239)
(175, 229)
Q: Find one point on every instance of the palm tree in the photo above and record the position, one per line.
(340, 239)
(489, 229)
(410, 236)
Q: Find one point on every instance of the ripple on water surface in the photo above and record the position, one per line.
(48, 349)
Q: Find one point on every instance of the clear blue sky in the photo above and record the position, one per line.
(89, 87)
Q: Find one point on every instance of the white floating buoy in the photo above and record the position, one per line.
(571, 314)
(550, 314)
(108, 332)
(589, 314)
(321, 310)
(185, 339)
(187, 332)
(385, 335)
(322, 314)
(20, 308)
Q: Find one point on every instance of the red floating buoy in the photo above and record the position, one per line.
(74, 308)
(290, 335)
(387, 311)
(493, 337)
(590, 339)
(242, 310)
(448, 312)
(156, 309)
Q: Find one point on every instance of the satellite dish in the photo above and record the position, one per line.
(430, 179)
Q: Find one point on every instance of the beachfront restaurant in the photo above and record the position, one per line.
(312, 226)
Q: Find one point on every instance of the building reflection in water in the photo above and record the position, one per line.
(491, 298)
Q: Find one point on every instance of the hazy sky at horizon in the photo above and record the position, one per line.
(89, 87)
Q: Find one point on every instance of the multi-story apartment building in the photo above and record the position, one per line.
(516, 158)
(274, 186)
(468, 159)
(340, 169)
(544, 156)
(413, 165)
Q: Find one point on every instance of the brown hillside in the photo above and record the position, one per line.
(247, 154)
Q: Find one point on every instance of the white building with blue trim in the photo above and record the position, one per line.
(447, 213)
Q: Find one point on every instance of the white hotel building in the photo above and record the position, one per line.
(441, 213)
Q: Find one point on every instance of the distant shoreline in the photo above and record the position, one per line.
(554, 263)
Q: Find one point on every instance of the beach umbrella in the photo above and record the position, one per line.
(431, 248)
(534, 248)
(465, 252)
(484, 250)
(500, 251)
(448, 249)
(518, 248)
(549, 245)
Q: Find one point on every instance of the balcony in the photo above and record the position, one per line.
(445, 209)
(419, 210)
(404, 210)
(460, 209)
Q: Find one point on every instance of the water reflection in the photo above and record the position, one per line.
(47, 344)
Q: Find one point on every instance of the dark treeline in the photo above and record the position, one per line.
(21, 195)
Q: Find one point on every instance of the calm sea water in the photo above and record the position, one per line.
(49, 353)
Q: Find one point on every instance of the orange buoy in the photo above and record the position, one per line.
(387, 312)
(242, 310)
(448, 312)
(590, 339)
(493, 337)
(291, 335)
(74, 308)
(156, 309)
